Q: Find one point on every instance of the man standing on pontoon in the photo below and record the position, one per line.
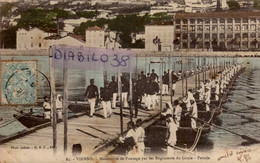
(92, 95)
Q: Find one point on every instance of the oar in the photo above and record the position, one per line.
(241, 116)
(242, 136)
(250, 98)
(250, 106)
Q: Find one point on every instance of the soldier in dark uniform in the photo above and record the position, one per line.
(105, 96)
(154, 75)
(113, 86)
(174, 80)
(138, 92)
(92, 96)
(165, 80)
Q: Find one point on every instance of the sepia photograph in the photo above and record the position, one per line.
(122, 81)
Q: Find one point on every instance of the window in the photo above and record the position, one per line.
(222, 36)
(192, 36)
(184, 45)
(245, 44)
(237, 27)
(206, 27)
(184, 28)
(214, 36)
(229, 20)
(184, 36)
(192, 21)
(214, 21)
(185, 21)
(222, 20)
(40, 45)
(207, 44)
(237, 35)
(229, 28)
(253, 35)
(252, 27)
(199, 21)
(245, 27)
(214, 28)
(177, 27)
(245, 20)
(245, 35)
(177, 21)
(177, 35)
(192, 28)
(31, 44)
(237, 20)
(222, 28)
(199, 28)
(229, 36)
(31, 37)
(206, 21)
(199, 36)
(206, 36)
(252, 20)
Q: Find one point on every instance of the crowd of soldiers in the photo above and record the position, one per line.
(144, 95)
(146, 88)
(217, 84)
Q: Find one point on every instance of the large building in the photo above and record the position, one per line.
(217, 30)
(32, 39)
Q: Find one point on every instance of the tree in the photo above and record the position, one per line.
(5, 9)
(233, 5)
(256, 4)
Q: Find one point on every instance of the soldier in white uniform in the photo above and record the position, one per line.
(188, 98)
(201, 91)
(139, 137)
(177, 112)
(171, 134)
(216, 90)
(207, 98)
(194, 113)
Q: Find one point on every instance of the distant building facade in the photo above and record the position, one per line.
(219, 30)
(95, 37)
(159, 36)
(32, 39)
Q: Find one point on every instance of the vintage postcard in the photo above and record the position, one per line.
(130, 81)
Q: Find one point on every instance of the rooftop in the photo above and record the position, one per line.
(218, 15)
(95, 28)
(162, 23)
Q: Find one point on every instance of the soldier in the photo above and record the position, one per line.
(113, 88)
(59, 106)
(153, 89)
(154, 75)
(165, 80)
(174, 80)
(138, 92)
(92, 95)
(171, 136)
(207, 98)
(194, 113)
(139, 137)
(177, 112)
(216, 90)
(189, 97)
(125, 90)
(105, 96)
(201, 91)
